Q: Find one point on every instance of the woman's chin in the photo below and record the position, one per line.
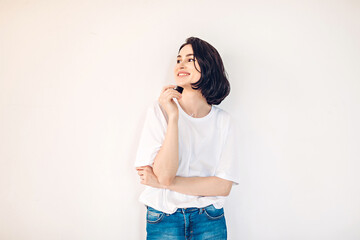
(180, 83)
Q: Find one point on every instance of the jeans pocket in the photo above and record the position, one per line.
(153, 215)
(213, 213)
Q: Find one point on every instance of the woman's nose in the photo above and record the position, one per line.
(181, 65)
(178, 67)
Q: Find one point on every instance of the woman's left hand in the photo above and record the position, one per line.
(148, 177)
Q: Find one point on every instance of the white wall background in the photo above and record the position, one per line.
(76, 77)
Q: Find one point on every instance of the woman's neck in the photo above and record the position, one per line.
(193, 103)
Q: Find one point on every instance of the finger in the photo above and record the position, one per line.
(143, 167)
(173, 92)
(170, 94)
(174, 95)
(167, 87)
(170, 86)
(147, 168)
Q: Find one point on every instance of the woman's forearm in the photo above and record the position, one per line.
(201, 186)
(166, 162)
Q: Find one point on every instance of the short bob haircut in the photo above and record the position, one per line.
(213, 83)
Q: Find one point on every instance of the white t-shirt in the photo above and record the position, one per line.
(207, 147)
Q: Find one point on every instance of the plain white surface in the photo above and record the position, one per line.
(76, 76)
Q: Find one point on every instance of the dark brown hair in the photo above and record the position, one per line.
(213, 83)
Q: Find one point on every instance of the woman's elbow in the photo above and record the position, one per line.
(227, 193)
(227, 188)
(166, 180)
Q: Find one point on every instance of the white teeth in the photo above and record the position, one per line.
(183, 74)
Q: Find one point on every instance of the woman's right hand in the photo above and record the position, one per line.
(166, 100)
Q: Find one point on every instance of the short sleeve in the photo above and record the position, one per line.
(228, 166)
(152, 135)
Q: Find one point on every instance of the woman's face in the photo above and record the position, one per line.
(184, 71)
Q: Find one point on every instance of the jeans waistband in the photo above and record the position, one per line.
(190, 209)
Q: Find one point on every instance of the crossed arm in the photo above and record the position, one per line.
(197, 186)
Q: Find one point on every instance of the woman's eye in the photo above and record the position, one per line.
(190, 59)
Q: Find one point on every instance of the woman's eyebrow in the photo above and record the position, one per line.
(186, 55)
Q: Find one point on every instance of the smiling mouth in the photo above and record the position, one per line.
(183, 74)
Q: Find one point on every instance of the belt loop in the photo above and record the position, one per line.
(201, 210)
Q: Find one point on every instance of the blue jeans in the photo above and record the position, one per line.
(186, 223)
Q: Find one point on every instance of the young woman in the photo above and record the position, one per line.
(187, 154)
